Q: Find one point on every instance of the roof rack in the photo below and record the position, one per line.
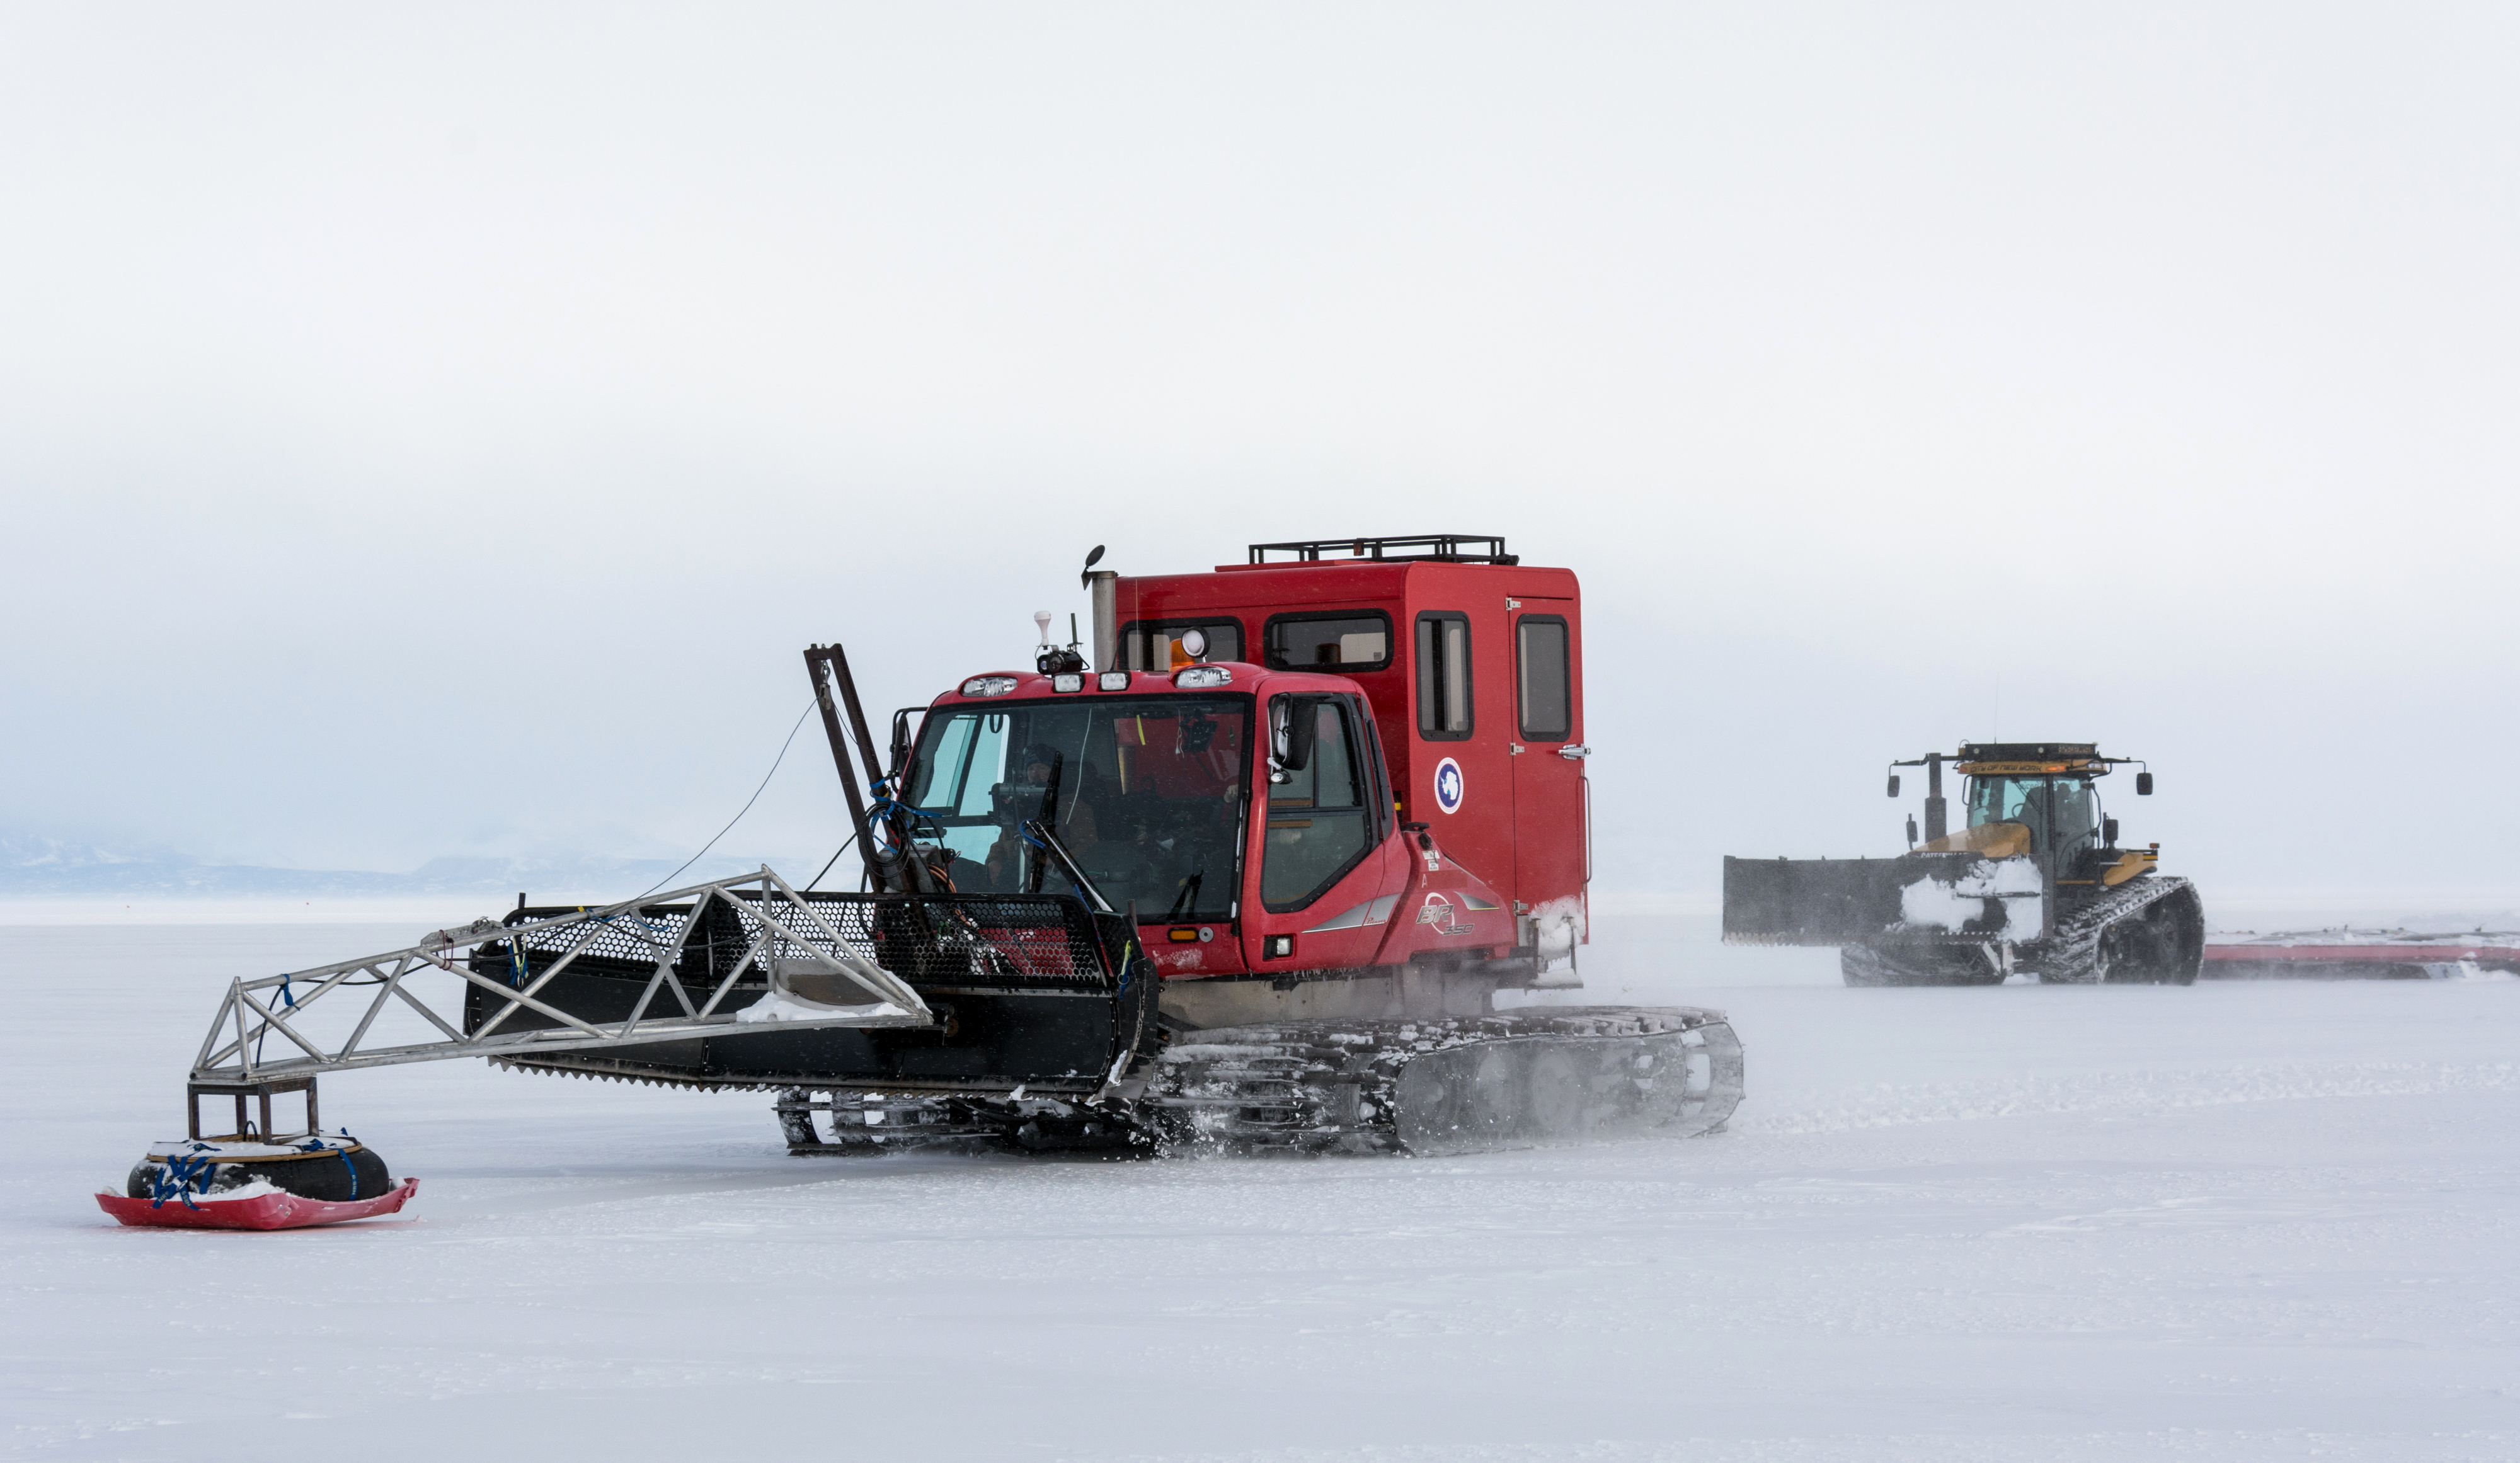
(1437, 547)
(2026, 751)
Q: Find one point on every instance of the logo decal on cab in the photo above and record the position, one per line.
(1438, 914)
(1448, 786)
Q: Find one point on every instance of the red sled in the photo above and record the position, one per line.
(273, 1210)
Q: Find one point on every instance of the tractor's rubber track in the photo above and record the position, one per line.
(2072, 955)
(1446, 1084)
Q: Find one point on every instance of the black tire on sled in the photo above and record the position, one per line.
(329, 1177)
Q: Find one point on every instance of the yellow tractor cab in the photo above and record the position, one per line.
(2032, 883)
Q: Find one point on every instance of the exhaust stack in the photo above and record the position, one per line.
(1937, 818)
(1106, 588)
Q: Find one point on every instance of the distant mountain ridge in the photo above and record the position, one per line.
(33, 865)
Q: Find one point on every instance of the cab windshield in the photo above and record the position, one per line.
(1146, 793)
(2063, 814)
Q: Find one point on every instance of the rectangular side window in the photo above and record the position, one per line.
(1164, 645)
(1345, 640)
(1541, 681)
(1444, 676)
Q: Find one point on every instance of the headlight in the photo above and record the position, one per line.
(988, 685)
(1113, 681)
(1202, 676)
(1067, 680)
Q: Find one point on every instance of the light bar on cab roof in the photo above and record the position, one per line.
(1113, 681)
(1202, 676)
(988, 685)
(1066, 680)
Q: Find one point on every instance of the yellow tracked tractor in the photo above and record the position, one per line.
(2033, 883)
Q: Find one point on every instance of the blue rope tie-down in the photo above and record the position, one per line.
(180, 1178)
(886, 805)
(317, 1145)
(288, 1003)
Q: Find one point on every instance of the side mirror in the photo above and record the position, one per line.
(1894, 784)
(1291, 724)
(1912, 830)
(1300, 730)
(2108, 832)
(2143, 785)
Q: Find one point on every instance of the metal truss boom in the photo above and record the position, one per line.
(782, 937)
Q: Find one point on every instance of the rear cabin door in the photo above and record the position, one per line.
(1548, 795)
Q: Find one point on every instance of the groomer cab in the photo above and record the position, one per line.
(1335, 759)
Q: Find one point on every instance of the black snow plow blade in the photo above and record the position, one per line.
(1028, 992)
(1914, 897)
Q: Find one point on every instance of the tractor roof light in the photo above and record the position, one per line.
(988, 685)
(1113, 681)
(1067, 680)
(1202, 677)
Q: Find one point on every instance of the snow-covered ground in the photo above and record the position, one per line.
(2252, 1221)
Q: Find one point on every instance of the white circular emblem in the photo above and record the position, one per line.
(1448, 786)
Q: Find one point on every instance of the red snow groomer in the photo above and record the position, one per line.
(1336, 795)
(1252, 877)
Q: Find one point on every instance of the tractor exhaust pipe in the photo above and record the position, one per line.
(1106, 588)
(1936, 825)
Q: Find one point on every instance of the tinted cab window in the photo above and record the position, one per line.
(1319, 821)
(1355, 642)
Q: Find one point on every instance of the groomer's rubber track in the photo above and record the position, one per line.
(2071, 956)
(1450, 1084)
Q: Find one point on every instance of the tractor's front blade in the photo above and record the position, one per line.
(1922, 898)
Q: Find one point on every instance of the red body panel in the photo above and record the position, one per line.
(1520, 819)
(1509, 839)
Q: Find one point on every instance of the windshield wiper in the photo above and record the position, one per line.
(1039, 832)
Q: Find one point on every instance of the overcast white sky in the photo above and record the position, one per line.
(435, 430)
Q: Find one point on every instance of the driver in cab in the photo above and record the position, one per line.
(1072, 819)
